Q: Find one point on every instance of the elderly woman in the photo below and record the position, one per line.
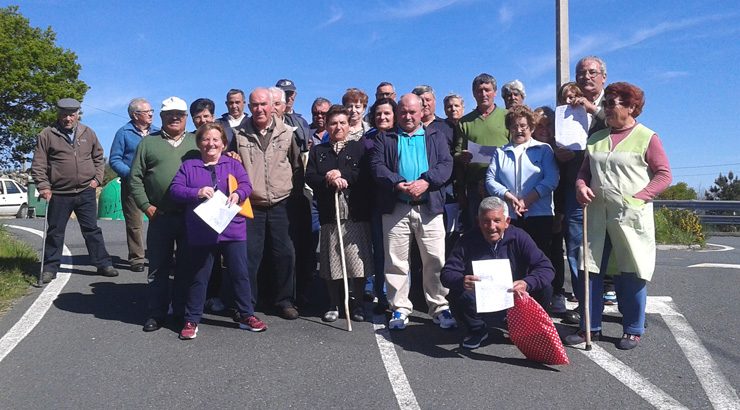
(355, 101)
(196, 181)
(340, 165)
(524, 174)
(624, 169)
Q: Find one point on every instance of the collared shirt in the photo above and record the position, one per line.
(412, 156)
(234, 122)
(597, 103)
(174, 141)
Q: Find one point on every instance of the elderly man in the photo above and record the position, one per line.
(513, 93)
(454, 107)
(156, 162)
(429, 116)
(272, 159)
(317, 128)
(202, 112)
(484, 127)
(235, 117)
(292, 118)
(385, 90)
(591, 78)
(494, 239)
(67, 167)
(410, 167)
(122, 153)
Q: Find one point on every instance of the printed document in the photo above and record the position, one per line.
(492, 292)
(482, 154)
(571, 127)
(216, 212)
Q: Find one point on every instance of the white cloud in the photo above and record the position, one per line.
(336, 15)
(415, 8)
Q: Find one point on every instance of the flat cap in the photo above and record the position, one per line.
(69, 104)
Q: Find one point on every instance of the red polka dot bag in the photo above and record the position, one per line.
(532, 331)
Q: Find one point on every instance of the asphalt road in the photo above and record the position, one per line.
(88, 351)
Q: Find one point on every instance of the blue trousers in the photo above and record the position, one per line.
(165, 237)
(376, 283)
(631, 297)
(200, 263)
(85, 208)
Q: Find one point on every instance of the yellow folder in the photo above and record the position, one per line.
(246, 206)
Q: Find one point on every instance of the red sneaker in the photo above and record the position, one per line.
(189, 331)
(252, 323)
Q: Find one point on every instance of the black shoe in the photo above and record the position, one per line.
(108, 272)
(380, 308)
(47, 277)
(152, 324)
(473, 340)
(357, 314)
(580, 337)
(137, 267)
(572, 317)
(289, 313)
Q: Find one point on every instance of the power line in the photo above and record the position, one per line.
(707, 166)
(105, 111)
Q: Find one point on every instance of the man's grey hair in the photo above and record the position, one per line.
(484, 78)
(280, 91)
(423, 89)
(235, 91)
(320, 100)
(134, 105)
(451, 96)
(514, 85)
(493, 203)
(601, 62)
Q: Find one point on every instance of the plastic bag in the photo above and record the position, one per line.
(532, 331)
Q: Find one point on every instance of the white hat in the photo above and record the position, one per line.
(174, 104)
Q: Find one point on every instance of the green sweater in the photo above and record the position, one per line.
(155, 164)
(487, 131)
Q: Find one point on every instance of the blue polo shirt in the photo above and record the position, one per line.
(412, 157)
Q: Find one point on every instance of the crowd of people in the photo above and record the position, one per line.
(380, 192)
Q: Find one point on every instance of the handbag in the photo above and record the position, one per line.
(533, 333)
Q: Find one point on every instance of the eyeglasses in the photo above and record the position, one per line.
(174, 114)
(150, 112)
(588, 73)
(612, 103)
(519, 127)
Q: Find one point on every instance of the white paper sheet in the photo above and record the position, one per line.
(216, 213)
(492, 292)
(482, 154)
(571, 127)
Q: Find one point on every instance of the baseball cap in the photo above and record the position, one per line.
(174, 104)
(285, 84)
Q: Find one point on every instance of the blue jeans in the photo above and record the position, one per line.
(270, 227)
(165, 236)
(573, 239)
(200, 262)
(85, 207)
(631, 297)
(376, 283)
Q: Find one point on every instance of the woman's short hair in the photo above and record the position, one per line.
(335, 110)
(354, 94)
(514, 85)
(493, 203)
(203, 129)
(450, 96)
(631, 95)
(566, 88)
(519, 111)
(378, 103)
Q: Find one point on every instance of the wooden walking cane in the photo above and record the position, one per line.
(40, 281)
(344, 263)
(586, 280)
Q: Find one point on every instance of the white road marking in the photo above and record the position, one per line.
(721, 394)
(40, 306)
(722, 248)
(630, 378)
(715, 265)
(400, 384)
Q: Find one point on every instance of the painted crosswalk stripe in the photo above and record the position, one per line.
(400, 384)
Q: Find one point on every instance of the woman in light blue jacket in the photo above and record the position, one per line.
(524, 174)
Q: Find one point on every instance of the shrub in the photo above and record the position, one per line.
(678, 226)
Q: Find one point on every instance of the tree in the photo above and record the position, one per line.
(726, 188)
(680, 191)
(34, 74)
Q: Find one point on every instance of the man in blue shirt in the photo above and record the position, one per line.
(121, 157)
(410, 167)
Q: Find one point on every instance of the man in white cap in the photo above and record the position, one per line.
(157, 159)
(67, 167)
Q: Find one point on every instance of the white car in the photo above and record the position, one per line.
(13, 198)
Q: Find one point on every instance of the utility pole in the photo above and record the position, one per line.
(562, 51)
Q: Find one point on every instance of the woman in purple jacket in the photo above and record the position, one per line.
(196, 181)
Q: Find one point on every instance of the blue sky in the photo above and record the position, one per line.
(680, 53)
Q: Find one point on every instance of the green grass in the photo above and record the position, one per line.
(17, 264)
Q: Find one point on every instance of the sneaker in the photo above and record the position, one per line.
(558, 304)
(252, 323)
(398, 321)
(580, 337)
(473, 340)
(572, 298)
(215, 305)
(189, 331)
(610, 298)
(331, 315)
(628, 342)
(445, 320)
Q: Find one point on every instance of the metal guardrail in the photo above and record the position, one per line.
(698, 205)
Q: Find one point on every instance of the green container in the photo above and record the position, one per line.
(34, 202)
(109, 202)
